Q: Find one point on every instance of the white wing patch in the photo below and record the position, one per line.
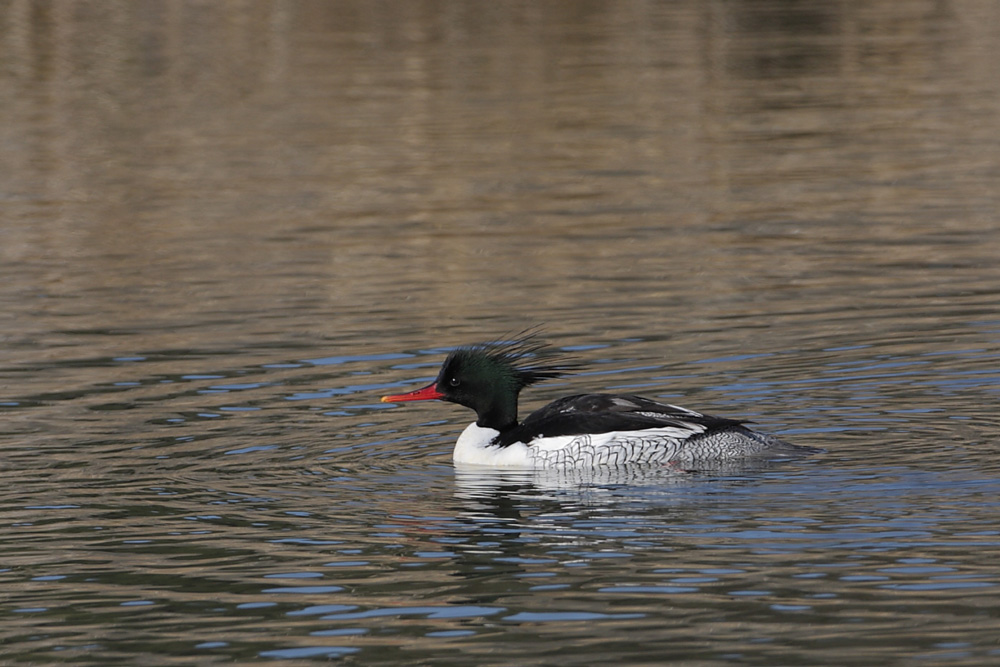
(685, 410)
(623, 402)
(694, 428)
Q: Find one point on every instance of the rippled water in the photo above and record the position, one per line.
(226, 230)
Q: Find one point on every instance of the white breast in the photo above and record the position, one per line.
(473, 447)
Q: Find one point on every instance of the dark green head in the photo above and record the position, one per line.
(488, 378)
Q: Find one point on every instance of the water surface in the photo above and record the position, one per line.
(225, 231)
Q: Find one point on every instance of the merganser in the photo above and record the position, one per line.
(581, 431)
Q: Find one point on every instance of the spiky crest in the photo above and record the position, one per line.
(525, 355)
(488, 377)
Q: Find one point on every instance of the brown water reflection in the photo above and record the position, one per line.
(226, 227)
(335, 154)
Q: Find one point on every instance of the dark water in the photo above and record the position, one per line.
(227, 228)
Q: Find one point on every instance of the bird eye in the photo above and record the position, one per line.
(454, 382)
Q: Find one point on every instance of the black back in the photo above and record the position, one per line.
(603, 413)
